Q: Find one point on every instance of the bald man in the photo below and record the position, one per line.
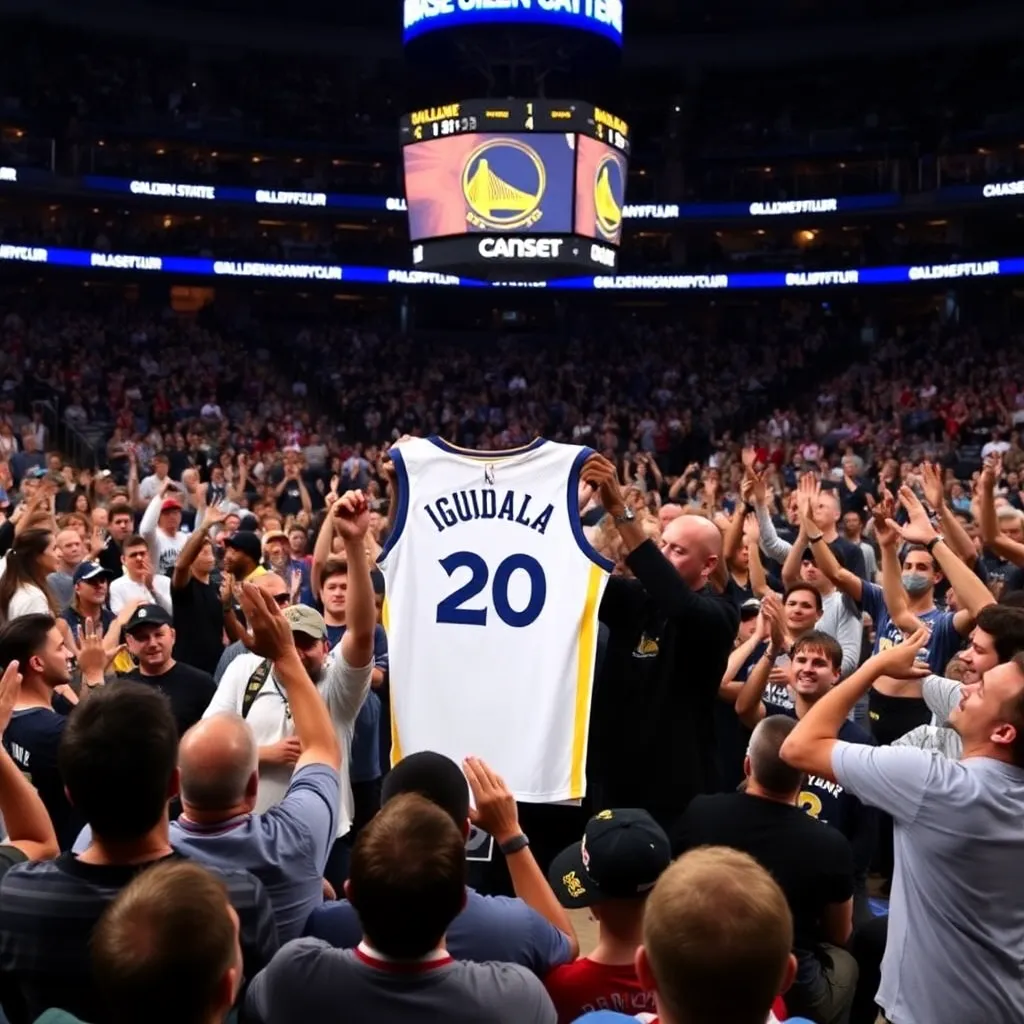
(286, 846)
(652, 737)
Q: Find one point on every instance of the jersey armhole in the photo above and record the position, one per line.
(572, 499)
(402, 512)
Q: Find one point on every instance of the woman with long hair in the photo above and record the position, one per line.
(23, 586)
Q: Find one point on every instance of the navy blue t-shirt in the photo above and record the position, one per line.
(32, 739)
(944, 642)
(831, 804)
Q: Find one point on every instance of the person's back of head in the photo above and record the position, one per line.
(718, 936)
(118, 759)
(219, 762)
(407, 879)
(767, 774)
(166, 951)
(434, 776)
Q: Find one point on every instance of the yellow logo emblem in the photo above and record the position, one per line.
(503, 182)
(609, 194)
(573, 885)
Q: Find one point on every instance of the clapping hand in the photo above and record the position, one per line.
(10, 688)
(93, 657)
(495, 811)
(901, 661)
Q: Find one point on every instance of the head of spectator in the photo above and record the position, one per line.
(37, 645)
(121, 519)
(612, 870)
(161, 465)
(1011, 524)
(768, 776)
(242, 554)
(853, 526)
(99, 517)
(92, 583)
(825, 512)
(716, 916)
(103, 486)
(275, 546)
(990, 716)
(118, 759)
(135, 558)
(169, 520)
(816, 660)
(811, 574)
(76, 522)
(749, 612)
(270, 525)
(228, 527)
(334, 590)
(29, 562)
(167, 949)
(150, 636)
(297, 542)
(82, 504)
(206, 561)
(219, 763)
(801, 607)
(997, 636)
(70, 550)
(407, 881)
(921, 574)
(433, 776)
(310, 632)
(693, 545)
(667, 513)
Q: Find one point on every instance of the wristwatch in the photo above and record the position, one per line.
(627, 515)
(930, 546)
(514, 845)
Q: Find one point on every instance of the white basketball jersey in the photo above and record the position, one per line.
(491, 612)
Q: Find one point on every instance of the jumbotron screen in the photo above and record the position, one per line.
(485, 201)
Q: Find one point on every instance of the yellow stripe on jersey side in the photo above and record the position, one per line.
(584, 682)
(396, 747)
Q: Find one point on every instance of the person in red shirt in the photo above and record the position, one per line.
(611, 871)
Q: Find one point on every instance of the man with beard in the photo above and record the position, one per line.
(250, 689)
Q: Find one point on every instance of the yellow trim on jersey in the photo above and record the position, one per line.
(584, 682)
(396, 747)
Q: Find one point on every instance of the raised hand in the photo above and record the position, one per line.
(270, 633)
(10, 689)
(934, 491)
(919, 529)
(808, 489)
(901, 661)
(495, 811)
(351, 515)
(93, 657)
(600, 473)
(990, 474)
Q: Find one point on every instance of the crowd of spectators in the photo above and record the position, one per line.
(196, 673)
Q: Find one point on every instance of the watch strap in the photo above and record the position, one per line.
(514, 845)
(930, 546)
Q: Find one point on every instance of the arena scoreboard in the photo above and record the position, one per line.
(515, 116)
(515, 188)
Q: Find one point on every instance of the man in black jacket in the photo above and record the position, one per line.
(671, 634)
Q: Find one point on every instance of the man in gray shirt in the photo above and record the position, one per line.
(956, 917)
(408, 883)
(997, 637)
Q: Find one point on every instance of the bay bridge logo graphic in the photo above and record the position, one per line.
(609, 195)
(503, 181)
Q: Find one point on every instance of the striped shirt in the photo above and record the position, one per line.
(47, 913)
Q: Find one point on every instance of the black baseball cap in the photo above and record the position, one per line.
(621, 856)
(750, 609)
(431, 775)
(148, 615)
(246, 542)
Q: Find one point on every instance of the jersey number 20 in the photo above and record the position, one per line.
(451, 608)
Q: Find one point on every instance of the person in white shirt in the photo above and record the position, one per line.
(150, 486)
(23, 573)
(138, 582)
(248, 686)
(161, 526)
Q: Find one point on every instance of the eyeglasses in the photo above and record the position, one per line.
(282, 600)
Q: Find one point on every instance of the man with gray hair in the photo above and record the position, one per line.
(813, 866)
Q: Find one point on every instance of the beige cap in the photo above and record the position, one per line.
(306, 620)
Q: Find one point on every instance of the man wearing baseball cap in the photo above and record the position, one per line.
(249, 687)
(161, 526)
(243, 555)
(610, 871)
(150, 636)
(91, 583)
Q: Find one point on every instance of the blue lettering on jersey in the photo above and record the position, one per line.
(463, 506)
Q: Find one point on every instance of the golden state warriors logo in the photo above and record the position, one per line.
(503, 182)
(609, 195)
